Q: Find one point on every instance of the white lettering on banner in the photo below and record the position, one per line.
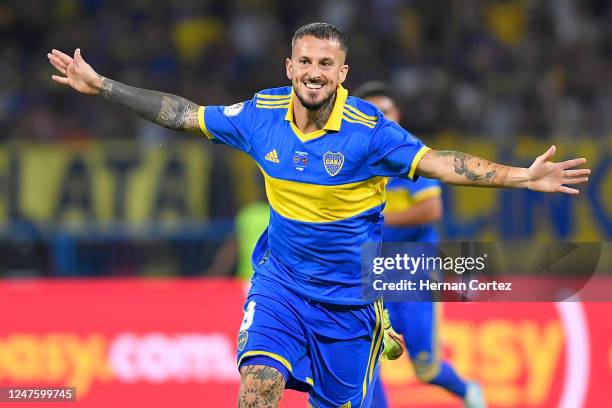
(157, 357)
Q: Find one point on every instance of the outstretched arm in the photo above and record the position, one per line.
(459, 168)
(167, 110)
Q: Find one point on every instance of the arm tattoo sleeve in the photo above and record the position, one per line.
(473, 168)
(167, 110)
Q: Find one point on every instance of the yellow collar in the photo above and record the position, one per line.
(333, 123)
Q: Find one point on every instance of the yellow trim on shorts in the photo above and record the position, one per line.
(372, 354)
(273, 356)
(378, 342)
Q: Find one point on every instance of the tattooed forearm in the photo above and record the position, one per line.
(473, 168)
(260, 387)
(167, 110)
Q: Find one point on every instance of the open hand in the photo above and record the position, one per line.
(546, 176)
(76, 72)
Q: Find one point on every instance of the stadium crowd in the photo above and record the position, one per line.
(486, 68)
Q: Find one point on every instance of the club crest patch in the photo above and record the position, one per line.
(233, 110)
(333, 162)
(243, 337)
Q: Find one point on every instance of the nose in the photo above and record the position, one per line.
(314, 71)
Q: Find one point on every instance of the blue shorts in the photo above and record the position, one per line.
(330, 351)
(418, 323)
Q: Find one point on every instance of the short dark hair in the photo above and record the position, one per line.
(322, 31)
(372, 89)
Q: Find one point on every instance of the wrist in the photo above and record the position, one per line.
(523, 178)
(98, 84)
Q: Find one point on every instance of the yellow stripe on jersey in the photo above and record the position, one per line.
(285, 106)
(350, 114)
(264, 96)
(358, 121)
(426, 193)
(398, 199)
(322, 203)
(277, 102)
(202, 124)
(360, 113)
(416, 160)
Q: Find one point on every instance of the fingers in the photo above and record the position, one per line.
(568, 164)
(568, 190)
(57, 63)
(548, 154)
(59, 79)
(63, 57)
(576, 173)
(575, 180)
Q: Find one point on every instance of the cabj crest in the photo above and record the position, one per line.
(333, 162)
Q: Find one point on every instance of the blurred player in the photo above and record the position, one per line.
(411, 211)
(325, 158)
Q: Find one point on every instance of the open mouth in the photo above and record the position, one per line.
(313, 85)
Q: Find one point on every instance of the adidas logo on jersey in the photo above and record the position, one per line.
(272, 156)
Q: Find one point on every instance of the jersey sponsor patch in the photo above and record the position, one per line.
(300, 160)
(233, 110)
(333, 162)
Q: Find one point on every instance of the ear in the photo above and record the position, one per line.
(343, 73)
(289, 68)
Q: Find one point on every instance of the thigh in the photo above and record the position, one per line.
(345, 346)
(272, 327)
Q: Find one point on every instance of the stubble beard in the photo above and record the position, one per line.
(315, 106)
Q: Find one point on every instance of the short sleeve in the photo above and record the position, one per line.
(394, 152)
(229, 125)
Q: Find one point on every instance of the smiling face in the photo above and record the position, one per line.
(315, 69)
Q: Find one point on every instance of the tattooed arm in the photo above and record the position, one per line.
(459, 168)
(170, 111)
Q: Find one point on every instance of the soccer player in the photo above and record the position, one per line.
(325, 157)
(410, 213)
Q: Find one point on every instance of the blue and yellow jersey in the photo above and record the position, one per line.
(326, 188)
(402, 194)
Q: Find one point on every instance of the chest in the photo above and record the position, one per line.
(333, 158)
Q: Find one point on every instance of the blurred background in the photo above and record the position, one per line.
(88, 191)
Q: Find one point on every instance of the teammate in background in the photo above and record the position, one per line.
(411, 211)
(325, 157)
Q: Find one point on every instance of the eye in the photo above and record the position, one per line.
(303, 61)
